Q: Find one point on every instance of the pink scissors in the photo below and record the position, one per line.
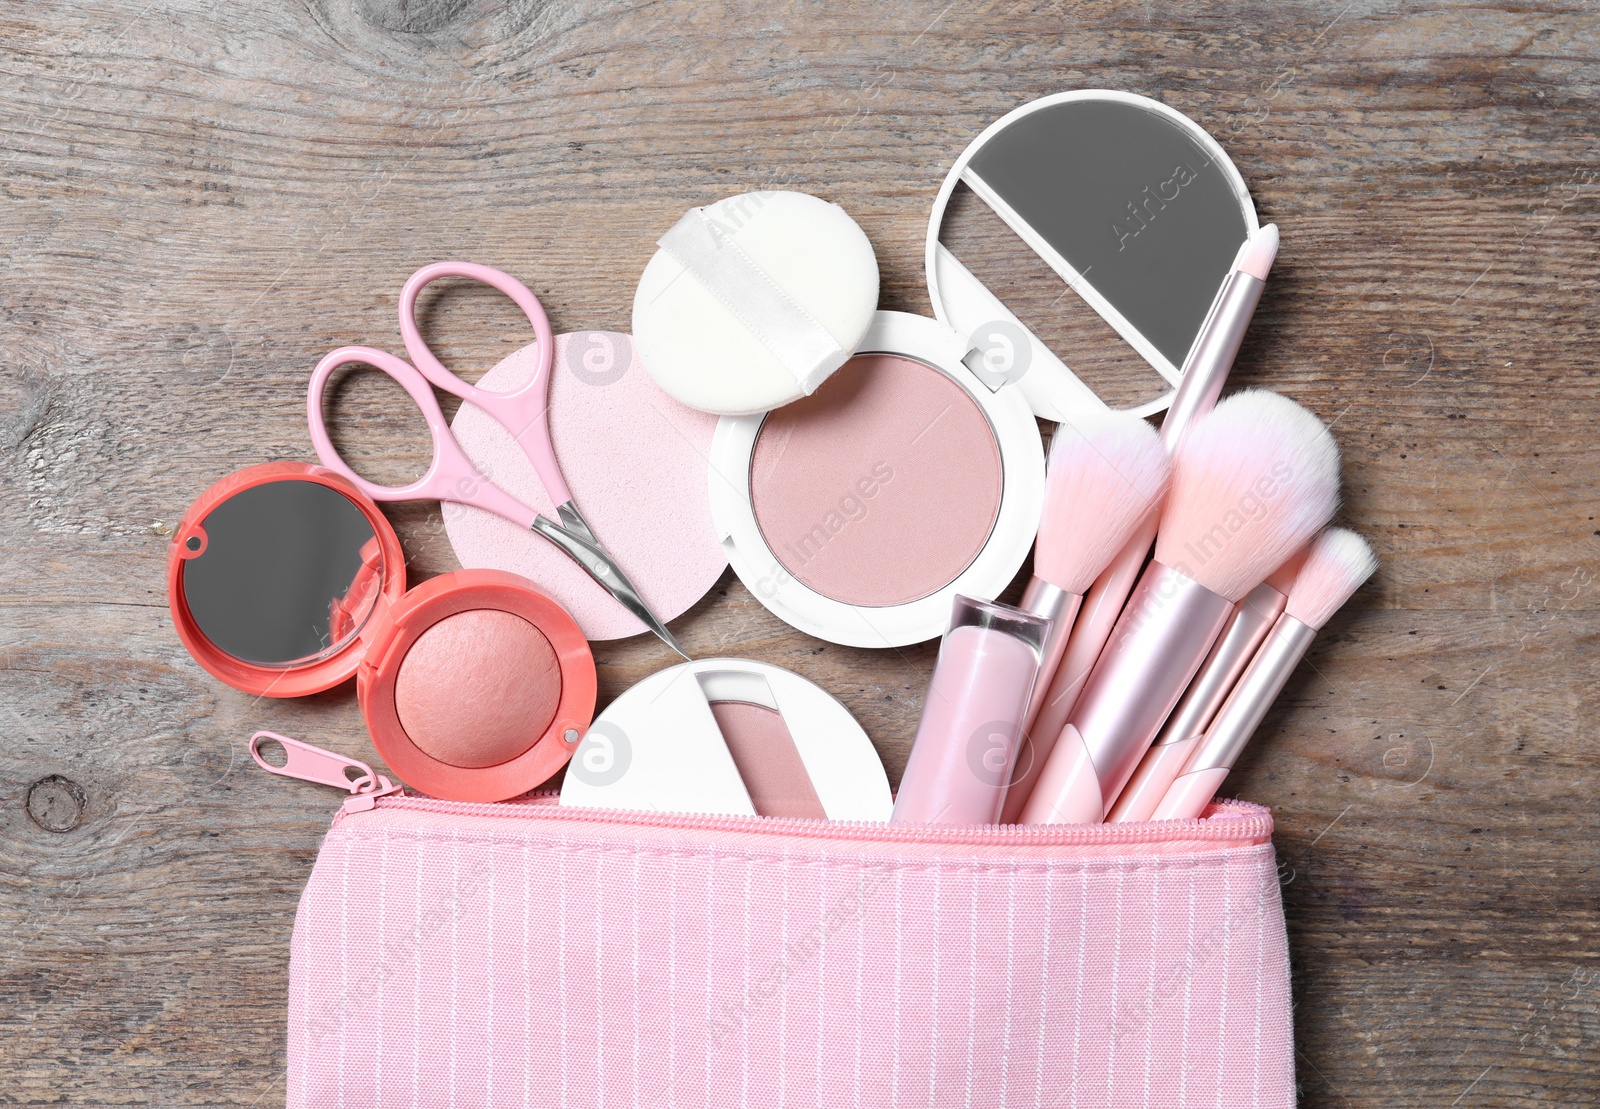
(523, 412)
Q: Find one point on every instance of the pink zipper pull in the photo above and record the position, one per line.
(313, 764)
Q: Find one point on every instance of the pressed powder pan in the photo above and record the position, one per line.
(863, 466)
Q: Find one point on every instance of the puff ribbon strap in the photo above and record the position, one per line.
(705, 248)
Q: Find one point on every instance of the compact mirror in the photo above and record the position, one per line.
(273, 574)
(284, 575)
(1127, 201)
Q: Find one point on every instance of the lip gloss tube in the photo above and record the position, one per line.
(971, 727)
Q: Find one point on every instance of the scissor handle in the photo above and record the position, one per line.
(451, 476)
(524, 410)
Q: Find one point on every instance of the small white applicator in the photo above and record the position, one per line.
(1252, 482)
(1247, 628)
(1107, 473)
(1339, 562)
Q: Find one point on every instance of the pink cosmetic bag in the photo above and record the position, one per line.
(525, 954)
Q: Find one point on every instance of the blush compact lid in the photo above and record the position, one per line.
(858, 513)
(1132, 204)
(274, 575)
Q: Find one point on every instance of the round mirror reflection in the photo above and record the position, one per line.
(290, 573)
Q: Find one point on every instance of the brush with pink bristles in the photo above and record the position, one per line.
(1339, 562)
(1253, 480)
(1108, 473)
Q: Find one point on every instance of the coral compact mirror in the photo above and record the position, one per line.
(273, 574)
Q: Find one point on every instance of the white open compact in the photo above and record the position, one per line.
(858, 513)
(1131, 203)
(729, 736)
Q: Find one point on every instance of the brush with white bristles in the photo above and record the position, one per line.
(1253, 480)
(1256, 478)
(1108, 472)
(1339, 562)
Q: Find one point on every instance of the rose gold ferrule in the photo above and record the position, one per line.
(1252, 619)
(1258, 687)
(1061, 608)
(1157, 645)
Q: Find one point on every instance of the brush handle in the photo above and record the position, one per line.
(1161, 766)
(1252, 619)
(1237, 722)
(1259, 686)
(1155, 649)
(1221, 746)
(1097, 616)
(1188, 797)
(1213, 352)
(1061, 609)
(1069, 788)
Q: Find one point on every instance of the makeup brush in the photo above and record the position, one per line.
(1205, 370)
(1252, 481)
(1107, 473)
(1252, 619)
(1339, 562)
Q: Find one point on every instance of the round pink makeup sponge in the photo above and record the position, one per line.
(478, 688)
(636, 462)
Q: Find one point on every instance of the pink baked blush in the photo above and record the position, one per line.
(881, 487)
(478, 688)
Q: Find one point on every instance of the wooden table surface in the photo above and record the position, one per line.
(200, 199)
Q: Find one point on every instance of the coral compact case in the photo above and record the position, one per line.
(285, 580)
(858, 513)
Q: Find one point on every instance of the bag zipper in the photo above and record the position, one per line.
(327, 768)
(1234, 820)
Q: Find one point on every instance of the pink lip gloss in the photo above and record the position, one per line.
(968, 737)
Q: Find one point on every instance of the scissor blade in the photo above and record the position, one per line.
(575, 538)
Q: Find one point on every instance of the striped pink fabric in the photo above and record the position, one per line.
(528, 955)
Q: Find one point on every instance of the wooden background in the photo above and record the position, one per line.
(200, 199)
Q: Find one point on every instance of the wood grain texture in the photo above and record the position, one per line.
(199, 200)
